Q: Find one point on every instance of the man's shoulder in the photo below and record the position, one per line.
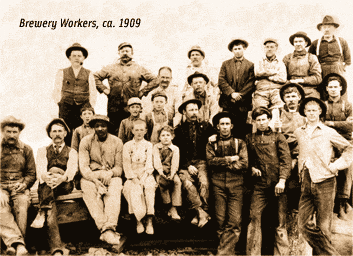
(248, 62)
(114, 139)
(87, 139)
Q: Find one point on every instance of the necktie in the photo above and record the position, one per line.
(56, 149)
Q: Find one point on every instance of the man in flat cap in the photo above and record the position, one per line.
(125, 79)
(191, 136)
(302, 67)
(318, 174)
(236, 82)
(100, 160)
(198, 90)
(56, 168)
(74, 88)
(332, 51)
(18, 173)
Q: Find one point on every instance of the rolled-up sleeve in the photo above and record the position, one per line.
(42, 163)
(72, 165)
(84, 158)
(118, 162)
(30, 173)
(99, 76)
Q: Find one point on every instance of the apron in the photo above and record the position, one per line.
(157, 127)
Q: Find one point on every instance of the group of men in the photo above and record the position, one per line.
(295, 149)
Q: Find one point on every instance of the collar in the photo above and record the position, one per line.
(97, 139)
(132, 118)
(196, 68)
(291, 111)
(238, 60)
(273, 58)
(159, 112)
(202, 95)
(160, 145)
(60, 147)
(191, 123)
(225, 138)
(138, 142)
(299, 53)
(319, 125)
(333, 39)
(339, 100)
(126, 64)
(86, 126)
(18, 144)
(266, 132)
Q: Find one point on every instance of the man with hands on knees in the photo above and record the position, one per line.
(100, 159)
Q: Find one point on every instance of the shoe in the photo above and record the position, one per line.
(204, 218)
(140, 228)
(10, 251)
(149, 227)
(195, 221)
(39, 220)
(173, 213)
(21, 250)
(110, 237)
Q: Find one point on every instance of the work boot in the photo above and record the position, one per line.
(204, 218)
(344, 209)
(149, 226)
(21, 250)
(195, 221)
(173, 213)
(139, 227)
(39, 220)
(110, 237)
(10, 251)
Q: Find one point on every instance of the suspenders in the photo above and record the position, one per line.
(319, 42)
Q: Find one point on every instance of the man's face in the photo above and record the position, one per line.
(225, 126)
(166, 137)
(166, 77)
(196, 58)
(57, 133)
(238, 51)
(198, 84)
(262, 122)
(328, 30)
(76, 58)
(291, 100)
(86, 116)
(270, 49)
(191, 111)
(125, 53)
(10, 134)
(159, 103)
(101, 129)
(139, 131)
(299, 43)
(135, 110)
(312, 111)
(334, 88)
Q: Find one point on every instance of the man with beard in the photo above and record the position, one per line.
(191, 137)
(56, 169)
(302, 67)
(125, 79)
(18, 173)
(100, 159)
(209, 107)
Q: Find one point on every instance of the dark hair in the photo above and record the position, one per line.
(334, 78)
(261, 111)
(166, 128)
(291, 89)
(239, 43)
(165, 67)
(57, 123)
(85, 108)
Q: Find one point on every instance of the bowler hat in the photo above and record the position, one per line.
(57, 121)
(196, 48)
(97, 118)
(341, 79)
(306, 100)
(273, 40)
(300, 34)
(12, 121)
(185, 103)
(220, 115)
(260, 111)
(198, 74)
(236, 41)
(125, 44)
(298, 86)
(76, 47)
(159, 93)
(328, 20)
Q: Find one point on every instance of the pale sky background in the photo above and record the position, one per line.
(30, 57)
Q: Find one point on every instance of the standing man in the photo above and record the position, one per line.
(18, 173)
(236, 82)
(227, 158)
(125, 79)
(74, 88)
(317, 171)
(100, 160)
(191, 137)
(302, 67)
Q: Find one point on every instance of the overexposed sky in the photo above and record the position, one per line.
(30, 57)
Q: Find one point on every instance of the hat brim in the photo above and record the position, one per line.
(183, 106)
(223, 114)
(336, 25)
(306, 100)
(95, 120)
(76, 48)
(298, 86)
(343, 82)
(20, 125)
(198, 75)
(306, 38)
(57, 121)
(198, 50)
(235, 41)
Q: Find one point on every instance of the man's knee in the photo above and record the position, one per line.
(187, 184)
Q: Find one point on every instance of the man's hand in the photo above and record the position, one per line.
(4, 198)
(20, 187)
(47, 177)
(140, 94)
(100, 187)
(350, 119)
(212, 138)
(297, 81)
(234, 158)
(294, 162)
(279, 189)
(329, 123)
(255, 172)
(106, 91)
(236, 96)
(106, 176)
(192, 170)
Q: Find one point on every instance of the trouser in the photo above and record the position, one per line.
(293, 189)
(228, 210)
(165, 186)
(344, 181)
(317, 197)
(104, 209)
(197, 196)
(267, 98)
(115, 118)
(260, 199)
(12, 231)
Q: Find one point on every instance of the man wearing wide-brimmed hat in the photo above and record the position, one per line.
(125, 78)
(318, 174)
(332, 51)
(18, 172)
(339, 117)
(236, 82)
(100, 159)
(302, 67)
(56, 168)
(74, 88)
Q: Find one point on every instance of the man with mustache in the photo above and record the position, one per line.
(191, 136)
(125, 79)
(56, 168)
(18, 173)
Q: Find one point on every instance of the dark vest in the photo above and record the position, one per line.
(58, 160)
(75, 90)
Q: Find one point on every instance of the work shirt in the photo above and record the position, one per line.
(316, 151)
(166, 158)
(338, 112)
(78, 135)
(125, 129)
(276, 81)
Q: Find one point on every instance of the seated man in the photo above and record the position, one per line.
(56, 169)
(18, 173)
(100, 159)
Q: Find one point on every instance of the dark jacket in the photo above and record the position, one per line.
(269, 152)
(338, 112)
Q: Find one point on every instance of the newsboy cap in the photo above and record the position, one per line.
(76, 47)
(270, 39)
(12, 121)
(134, 100)
(125, 44)
(159, 93)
